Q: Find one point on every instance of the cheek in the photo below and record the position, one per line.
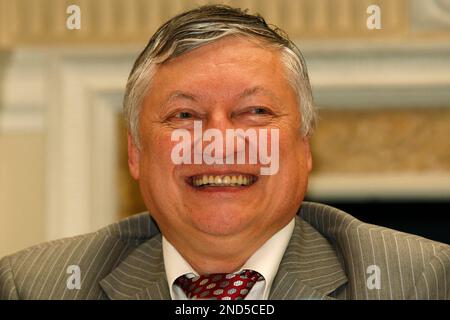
(157, 149)
(157, 184)
(293, 154)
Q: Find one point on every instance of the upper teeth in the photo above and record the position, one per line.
(222, 180)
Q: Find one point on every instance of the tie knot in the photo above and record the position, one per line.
(219, 286)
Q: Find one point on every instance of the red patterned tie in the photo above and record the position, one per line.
(219, 286)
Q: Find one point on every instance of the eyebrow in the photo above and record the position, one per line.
(257, 90)
(178, 94)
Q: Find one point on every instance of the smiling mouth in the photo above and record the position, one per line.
(224, 180)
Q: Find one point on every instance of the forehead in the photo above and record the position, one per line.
(228, 64)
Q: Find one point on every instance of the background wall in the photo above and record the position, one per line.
(384, 98)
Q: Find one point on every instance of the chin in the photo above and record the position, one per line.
(221, 222)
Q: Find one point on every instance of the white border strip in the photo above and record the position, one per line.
(395, 186)
(24, 121)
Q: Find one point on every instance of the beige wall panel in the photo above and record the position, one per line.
(382, 141)
(21, 191)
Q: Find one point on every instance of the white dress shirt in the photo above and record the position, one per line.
(265, 260)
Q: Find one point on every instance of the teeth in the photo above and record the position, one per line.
(221, 180)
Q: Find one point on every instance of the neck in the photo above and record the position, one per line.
(209, 254)
(221, 256)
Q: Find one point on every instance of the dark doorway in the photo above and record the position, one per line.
(429, 219)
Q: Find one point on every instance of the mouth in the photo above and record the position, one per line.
(222, 180)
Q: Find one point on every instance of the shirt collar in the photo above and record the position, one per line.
(265, 260)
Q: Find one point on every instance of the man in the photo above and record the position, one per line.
(227, 220)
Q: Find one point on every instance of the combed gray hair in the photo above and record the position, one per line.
(203, 25)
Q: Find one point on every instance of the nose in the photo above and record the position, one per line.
(234, 145)
(219, 120)
(216, 125)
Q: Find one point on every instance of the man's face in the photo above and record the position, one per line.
(233, 83)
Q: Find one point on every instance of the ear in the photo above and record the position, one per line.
(133, 158)
(308, 155)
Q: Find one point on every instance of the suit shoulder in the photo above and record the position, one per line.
(136, 228)
(339, 226)
(41, 271)
(410, 266)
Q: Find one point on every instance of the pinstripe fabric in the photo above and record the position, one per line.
(40, 272)
(411, 267)
(327, 258)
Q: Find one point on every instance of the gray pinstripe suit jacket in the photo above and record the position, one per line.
(329, 256)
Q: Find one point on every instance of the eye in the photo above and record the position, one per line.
(259, 111)
(184, 115)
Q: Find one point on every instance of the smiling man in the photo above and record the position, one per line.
(227, 94)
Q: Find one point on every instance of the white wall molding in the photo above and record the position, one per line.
(367, 75)
(22, 92)
(24, 121)
(81, 149)
(104, 155)
(430, 15)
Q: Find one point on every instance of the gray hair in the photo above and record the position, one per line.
(192, 29)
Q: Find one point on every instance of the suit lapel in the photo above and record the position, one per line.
(140, 276)
(310, 268)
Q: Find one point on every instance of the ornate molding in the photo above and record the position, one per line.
(43, 22)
